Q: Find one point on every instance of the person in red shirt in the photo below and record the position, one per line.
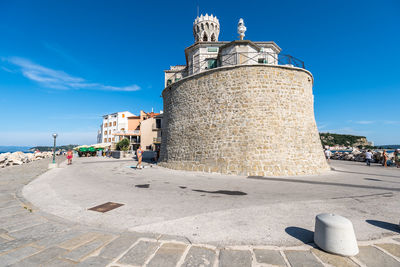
(69, 157)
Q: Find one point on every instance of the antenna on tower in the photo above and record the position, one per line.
(197, 8)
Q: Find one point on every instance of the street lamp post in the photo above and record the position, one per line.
(54, 148)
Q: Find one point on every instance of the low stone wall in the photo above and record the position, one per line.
(18, 158)
(244, 120)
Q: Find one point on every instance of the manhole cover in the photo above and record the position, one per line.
(106, 207)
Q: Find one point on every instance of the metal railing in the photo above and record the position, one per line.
(126, 132)
(154, 126)
(156, 139)
(248, 58)
(240, 58)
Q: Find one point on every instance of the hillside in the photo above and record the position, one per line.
(331, 139)
(49, 148)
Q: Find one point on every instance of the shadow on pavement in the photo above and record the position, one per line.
(372, 174)
(288, 180)
(385, 225)
(378, 180)
(304, 235)
(223, 192)
(107, 161)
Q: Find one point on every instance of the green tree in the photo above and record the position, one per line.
(123, 144)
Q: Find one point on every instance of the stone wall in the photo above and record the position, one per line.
(245, 120)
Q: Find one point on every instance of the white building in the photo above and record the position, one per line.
(208, 53)
(112, 124)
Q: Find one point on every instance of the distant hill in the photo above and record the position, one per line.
(331, 139)
(4, 149)
(388, 146)
(49, 148)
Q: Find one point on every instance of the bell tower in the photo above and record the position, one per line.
(206, 28)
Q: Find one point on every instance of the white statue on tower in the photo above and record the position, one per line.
(241, 29)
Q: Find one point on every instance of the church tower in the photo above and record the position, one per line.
(206, 28)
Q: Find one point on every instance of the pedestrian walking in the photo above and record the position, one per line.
(139, 155)
(328, 154)
(69, 156)
(368, 157)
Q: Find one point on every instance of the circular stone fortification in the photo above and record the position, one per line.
(245, 120)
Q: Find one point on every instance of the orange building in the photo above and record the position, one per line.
(143, 130)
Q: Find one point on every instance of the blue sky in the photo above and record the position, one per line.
(63, 64)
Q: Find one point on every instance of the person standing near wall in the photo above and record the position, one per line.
(139, 155)
(397, 158)
(328, 154)
(385, 158)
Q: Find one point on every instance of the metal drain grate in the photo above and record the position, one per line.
(106, 207)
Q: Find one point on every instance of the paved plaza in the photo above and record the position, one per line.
(176, 218)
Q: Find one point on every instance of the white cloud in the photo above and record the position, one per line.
(391, 122)
(364, 122)
(6, 69)
(58, 79)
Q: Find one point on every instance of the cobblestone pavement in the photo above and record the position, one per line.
(29, 237)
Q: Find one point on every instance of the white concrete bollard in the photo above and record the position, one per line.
(335, 234)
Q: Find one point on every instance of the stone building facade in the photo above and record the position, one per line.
(244, 119)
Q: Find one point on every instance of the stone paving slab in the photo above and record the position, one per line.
(10, 203)
(94, 261)
(79, 240)
(60, 263)
(272, 257)
(82, 252)
(39, 231)
(333, 260)
(42, 257)
(16, 243)
(235, 258)
(9, 220)
(372, 256)
(302, 259)
(167, 256)
(17, 255)
(4, 212)
(26, 223)
(122, 243)
(393, 249)
(3, 240)
(59, 238)
(174, 238)
(198, 256)
(139, 253)
(6, 197)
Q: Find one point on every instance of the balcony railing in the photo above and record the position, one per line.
(125, 132)
(157, 140)
(154, 127)
(239, 58)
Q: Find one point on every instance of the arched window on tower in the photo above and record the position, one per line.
(213, 37)
(205, 37)
(212, 26)
(202, 26)
(207, 26)
(198, 28)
